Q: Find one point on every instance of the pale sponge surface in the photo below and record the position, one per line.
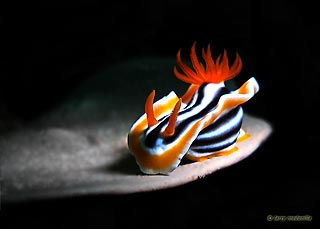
(80, 147)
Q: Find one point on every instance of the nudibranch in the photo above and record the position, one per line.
(205, 122)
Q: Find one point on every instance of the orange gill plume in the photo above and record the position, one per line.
(213, 72)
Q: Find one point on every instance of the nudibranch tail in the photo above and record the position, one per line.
(204, 123)
(214, 71)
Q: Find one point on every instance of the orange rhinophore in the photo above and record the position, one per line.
(169, 131)
(149, 110)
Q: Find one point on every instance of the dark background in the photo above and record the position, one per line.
(50, 48)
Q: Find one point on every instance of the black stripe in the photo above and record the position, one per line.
(182, 125)
(200, 92)
(221, 120)
(212, 149)
(220, 124)
(211, 144)
(151, 138)
(214, 126)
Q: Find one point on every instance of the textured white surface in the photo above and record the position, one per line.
(80, 146)
(75, 161)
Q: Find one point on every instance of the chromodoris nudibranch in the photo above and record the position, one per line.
(205, 122)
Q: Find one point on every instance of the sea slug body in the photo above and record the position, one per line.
(205, 122)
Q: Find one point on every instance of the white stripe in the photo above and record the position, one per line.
(196, 154)
(225, 128)
(210, 92)
(218, 144)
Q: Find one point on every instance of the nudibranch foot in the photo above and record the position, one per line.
(204, 123)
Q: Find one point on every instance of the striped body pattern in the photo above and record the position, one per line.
(204, 123)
